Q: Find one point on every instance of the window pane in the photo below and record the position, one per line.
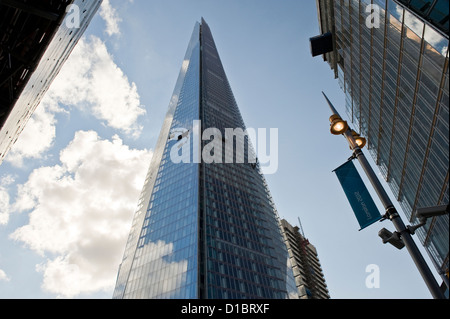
(414, 23)
(436, 40)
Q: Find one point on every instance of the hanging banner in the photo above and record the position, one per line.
(363, 206)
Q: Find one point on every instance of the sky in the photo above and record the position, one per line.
(70, 185)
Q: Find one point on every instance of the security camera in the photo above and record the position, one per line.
(391, 238)
(423, 214)
(430, 212)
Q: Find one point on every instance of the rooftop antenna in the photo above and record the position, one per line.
(301, 227)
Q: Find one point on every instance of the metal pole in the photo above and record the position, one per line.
(393, 215)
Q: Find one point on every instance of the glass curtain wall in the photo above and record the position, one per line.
(204, 229)
(161, 257)
(245, 256)
(395, 77)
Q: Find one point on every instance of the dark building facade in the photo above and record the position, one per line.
(36, 38)
(391, 60)
(203, 230)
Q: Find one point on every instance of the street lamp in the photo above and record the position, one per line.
(403, 233)
(338, 125)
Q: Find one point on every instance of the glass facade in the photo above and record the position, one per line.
(203, 230)
(160, 259)
(395, 77)
(434, 11)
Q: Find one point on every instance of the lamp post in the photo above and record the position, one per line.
(340, 127)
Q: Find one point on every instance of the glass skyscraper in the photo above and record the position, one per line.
(391, 60)
(203, 230)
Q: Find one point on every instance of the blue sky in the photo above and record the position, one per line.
(69, 188)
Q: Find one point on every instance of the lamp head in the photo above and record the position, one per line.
(360, 141)
(338, 125)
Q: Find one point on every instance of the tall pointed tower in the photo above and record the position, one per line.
(204, 229)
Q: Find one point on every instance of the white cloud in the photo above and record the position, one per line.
(112, 19)
(81, 212)
(92, 81)
(36, 138)
(4, 206)
(4, 198)
(3, 276)
(7, 180)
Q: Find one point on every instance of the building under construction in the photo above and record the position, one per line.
(307, 270)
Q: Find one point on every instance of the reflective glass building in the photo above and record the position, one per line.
(391, 60)
(36, 39)
(203, 230)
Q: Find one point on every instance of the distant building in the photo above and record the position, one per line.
(305, 263)
(36, 38)
(391, 59)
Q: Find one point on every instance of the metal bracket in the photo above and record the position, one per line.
(412, 229)
(353, 157)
